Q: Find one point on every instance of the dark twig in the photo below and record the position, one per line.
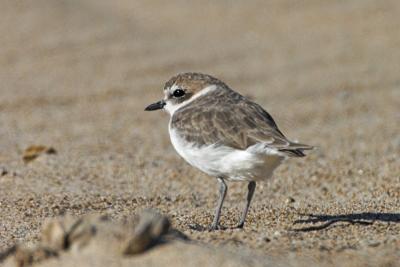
(366, 218)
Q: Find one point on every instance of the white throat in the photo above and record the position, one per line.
(171, 108)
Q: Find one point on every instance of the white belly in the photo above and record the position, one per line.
(253, 164)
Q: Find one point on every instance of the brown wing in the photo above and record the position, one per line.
(232, 120)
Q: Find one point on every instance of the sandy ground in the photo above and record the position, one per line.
(76, 75)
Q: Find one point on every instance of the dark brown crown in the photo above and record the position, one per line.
(194, 80)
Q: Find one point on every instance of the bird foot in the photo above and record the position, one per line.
(239, 226)
(216, 227)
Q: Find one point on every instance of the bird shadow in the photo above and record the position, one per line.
(364, 218)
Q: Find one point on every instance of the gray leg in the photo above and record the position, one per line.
(251, 187)
(222, 193)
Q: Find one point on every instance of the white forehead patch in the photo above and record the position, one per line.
(173, 87)
(171, 108)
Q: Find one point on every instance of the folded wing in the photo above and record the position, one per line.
(238, 124)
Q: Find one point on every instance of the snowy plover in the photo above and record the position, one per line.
(223, 133)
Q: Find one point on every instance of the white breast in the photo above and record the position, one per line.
(253, 164)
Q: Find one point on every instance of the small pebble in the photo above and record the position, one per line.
(3, 171)
(277, 234)
(264, 239)
(290, 200)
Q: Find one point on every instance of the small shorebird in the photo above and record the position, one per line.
(223, 133)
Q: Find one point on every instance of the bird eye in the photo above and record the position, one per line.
(178, 93)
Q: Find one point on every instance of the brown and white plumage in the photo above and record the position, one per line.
(223, 133)
(225, 117)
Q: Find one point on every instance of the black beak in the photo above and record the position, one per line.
(158, 105)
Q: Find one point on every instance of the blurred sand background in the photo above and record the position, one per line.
(77, 74)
